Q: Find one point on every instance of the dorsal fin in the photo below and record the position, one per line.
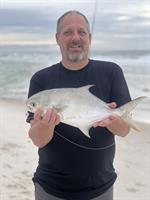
(85, 88)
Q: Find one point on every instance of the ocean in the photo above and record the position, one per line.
(18, 64)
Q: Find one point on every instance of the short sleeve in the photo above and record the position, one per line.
(119, 89)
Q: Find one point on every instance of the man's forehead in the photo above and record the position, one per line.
(72, 18)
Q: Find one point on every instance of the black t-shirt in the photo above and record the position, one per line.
(73, 166)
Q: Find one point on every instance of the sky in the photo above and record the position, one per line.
(117, 24)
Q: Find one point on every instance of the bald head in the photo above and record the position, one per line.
(60, 20)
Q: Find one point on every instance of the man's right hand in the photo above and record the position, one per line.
(42, 128)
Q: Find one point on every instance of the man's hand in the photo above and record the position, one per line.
(114, 123)
(50, 118)
(42, 128)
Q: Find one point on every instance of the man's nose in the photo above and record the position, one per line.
(75, 36)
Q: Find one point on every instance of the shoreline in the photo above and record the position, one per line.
(19, 158)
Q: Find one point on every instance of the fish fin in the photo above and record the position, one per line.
(85, 130)
(133, 124)
(85, 88)
(127, 109)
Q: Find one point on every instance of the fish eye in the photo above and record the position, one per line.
(33, 104)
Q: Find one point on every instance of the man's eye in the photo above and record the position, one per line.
(68, 33)
(82, 33)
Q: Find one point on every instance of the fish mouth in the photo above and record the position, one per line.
(29, 108)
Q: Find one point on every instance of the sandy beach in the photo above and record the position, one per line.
(18, 158)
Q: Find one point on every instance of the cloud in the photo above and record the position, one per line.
(23, 17)
(120, 27)
(116, 23)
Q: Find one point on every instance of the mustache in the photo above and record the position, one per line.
(77, 43)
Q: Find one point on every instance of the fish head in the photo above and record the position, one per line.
(34, 102)
(44, 99)
(32, 105)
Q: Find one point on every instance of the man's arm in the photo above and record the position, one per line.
(42, 128)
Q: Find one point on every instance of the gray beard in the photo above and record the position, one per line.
(74, 57)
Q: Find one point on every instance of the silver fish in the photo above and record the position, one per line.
(78, 107)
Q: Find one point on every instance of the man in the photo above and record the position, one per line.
(72, 166)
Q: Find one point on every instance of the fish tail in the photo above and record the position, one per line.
(125, 112)
(134, 125)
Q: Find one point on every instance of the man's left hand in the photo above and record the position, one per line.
(114, 123)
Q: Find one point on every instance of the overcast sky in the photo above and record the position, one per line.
(119, 24)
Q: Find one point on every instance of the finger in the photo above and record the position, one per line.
(47, 116)
(112, 105)
(38, 114)
(95, 124)
(57, 121)
(113, 117)
(103, 123)
(53, 117)
(106, 122)
(99, 123)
